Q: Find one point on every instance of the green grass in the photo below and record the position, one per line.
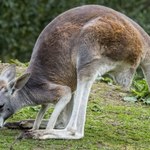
(111, 124)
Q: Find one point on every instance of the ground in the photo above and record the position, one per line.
(111, 124)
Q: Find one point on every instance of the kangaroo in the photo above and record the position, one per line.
(71, 51)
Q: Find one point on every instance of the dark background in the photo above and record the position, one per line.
(21, 21)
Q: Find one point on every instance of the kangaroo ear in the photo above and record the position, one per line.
(19, 83)
(8, 73)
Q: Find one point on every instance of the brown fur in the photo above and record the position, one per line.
(119, 39)
(106, 32)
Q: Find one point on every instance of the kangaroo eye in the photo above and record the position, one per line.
(5, 90)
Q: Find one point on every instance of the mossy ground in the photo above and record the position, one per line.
(111, 124)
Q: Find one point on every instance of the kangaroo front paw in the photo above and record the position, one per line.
(25, 135)
(32, 134)
(26, 124)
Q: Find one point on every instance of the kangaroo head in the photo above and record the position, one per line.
(8, 86)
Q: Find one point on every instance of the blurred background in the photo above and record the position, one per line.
(22, 21)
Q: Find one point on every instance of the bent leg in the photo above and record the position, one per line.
(83, 108)
(61, 104)
(40, 116)
(78, 117)
(65, 115)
